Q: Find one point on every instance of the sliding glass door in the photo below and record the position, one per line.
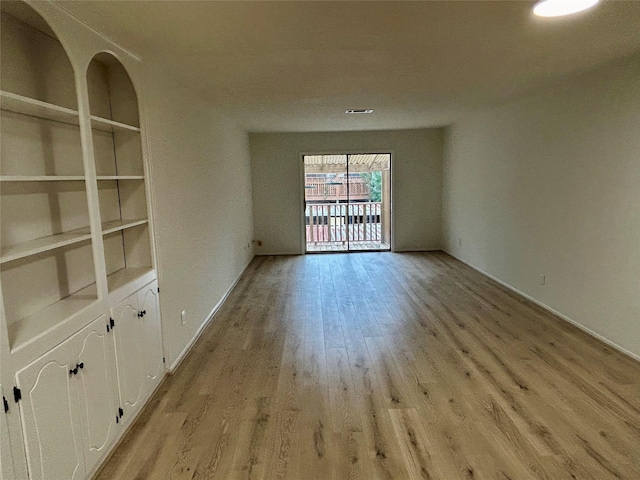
(347, 202)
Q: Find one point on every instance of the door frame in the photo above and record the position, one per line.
(301, 179)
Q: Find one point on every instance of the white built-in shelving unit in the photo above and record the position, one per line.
(76, 237)
(46, 240)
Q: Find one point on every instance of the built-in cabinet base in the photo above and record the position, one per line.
(77, 398)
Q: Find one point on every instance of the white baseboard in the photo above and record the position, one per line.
(206, 322)
(550, 310)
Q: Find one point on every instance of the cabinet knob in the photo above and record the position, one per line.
(80, 365)
(74, 371)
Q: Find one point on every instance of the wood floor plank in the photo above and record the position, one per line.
(282, 447)
(414, 443)
(316, 449)
(331, 321)
(384, 458)
(250, 459)
(342, 393)
(386, 366)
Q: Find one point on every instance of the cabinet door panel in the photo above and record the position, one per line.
(6, 462)
(153, 366)
(129, 355)
(50, 419)
(93, 347)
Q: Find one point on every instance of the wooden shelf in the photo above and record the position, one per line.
(120, 177)
(125, 275)
(49, 317)
(35, 108)
(117, 225)
(41, 178)
(106, 125)
(39, 245)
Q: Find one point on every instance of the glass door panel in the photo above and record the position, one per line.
(325, 202)
(347, 202)
(369, 201)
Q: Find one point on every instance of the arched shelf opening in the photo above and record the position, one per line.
(120, 171)
(34, 64)
(111, 92)
(46, 250)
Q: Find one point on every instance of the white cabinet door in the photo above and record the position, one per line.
(97, 390)
(130, 351)
(138, 343)
(50, 417)
(152, 332)
(6, 461)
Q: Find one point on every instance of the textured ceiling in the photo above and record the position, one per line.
(297, 66)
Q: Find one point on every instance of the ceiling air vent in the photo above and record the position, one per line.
(360, 110)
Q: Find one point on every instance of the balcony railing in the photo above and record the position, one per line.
(320, 188)
(341, 222)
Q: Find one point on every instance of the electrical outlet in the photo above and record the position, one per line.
(543, 279)
(183, 317)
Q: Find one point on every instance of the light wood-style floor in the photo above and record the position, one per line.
(387, 366)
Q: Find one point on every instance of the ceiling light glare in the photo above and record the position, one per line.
(558, 8)
(360, 110)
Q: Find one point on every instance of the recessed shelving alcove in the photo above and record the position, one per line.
(46, 257)
(119, 168)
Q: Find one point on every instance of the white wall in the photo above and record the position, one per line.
(416, 182)
(202, 199)
(550, 184)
